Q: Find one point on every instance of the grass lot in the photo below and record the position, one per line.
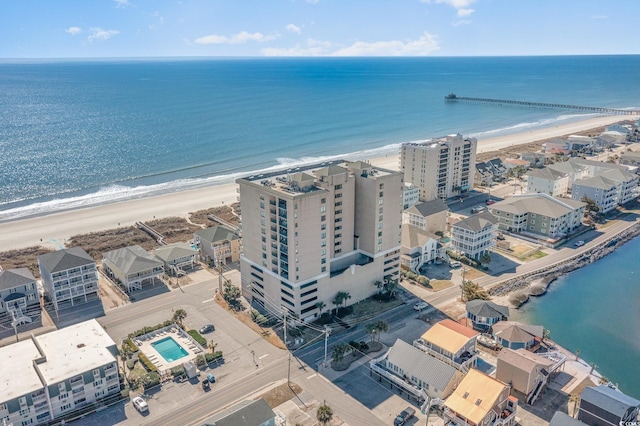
(226, 213)
(23, 258)
(369, 307)
(521, 249)
(473, 273)
(535, 255)
(174, 229)
(437, 285)
(281, 394)
(97, 243)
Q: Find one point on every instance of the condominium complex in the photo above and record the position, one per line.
(69, 277)
(309, 234)
(441, 168)
(51, 375)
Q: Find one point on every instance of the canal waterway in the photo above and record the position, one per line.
(596, 310)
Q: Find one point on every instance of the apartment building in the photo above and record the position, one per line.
(539, 214)
(411, 195)
(49, 376)
(547, 181)
(218, 244)
(441, 168)
(429, 216)
(313, 232)
(608, 188)
(69, 277)
(19, 298)
(475, 235)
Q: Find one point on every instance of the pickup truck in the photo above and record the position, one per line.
(404, 416)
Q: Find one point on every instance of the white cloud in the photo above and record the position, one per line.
(462, 6)
(461, 22)
(98, 33)
(122, 3)
(73, 30)
(240, 38)
(420, 47)
(465, 12)
(294, 29)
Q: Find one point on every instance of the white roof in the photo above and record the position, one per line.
(74, 350)
(17, 375)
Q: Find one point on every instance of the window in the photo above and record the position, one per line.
(337, 204)
(323, 209)
(323, 218)
(323, 269)
(337, 187)
(381, 194)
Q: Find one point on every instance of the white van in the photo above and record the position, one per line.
(455, 264)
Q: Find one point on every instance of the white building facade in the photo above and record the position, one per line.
(475, 235)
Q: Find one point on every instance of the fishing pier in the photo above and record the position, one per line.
(452, 97)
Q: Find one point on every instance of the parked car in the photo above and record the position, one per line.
(489, 202)
(207, 329)
(420, 306)
(205, 385)
(211, 378)
(404, 416)
(455, 264)
(478, 209)
(140, 404)
(579, 243)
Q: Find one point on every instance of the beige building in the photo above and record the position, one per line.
(218, 243)
(311, 234)
(441, 168)
(419, 247)
(539, 214)
(480, 400)
(527, 372)
(451, 343)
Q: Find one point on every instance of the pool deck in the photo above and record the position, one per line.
(145, 342)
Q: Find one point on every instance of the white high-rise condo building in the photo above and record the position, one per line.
(311, 233)
(441, 168)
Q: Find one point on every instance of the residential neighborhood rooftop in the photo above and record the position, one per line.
(486, 308)
(132, 259)
(477, 222)
(427, 208)
(174, 251)
(541, 204)
(64, 259)
(475, 396)
(517, 332)
(609, 399)
(449, 335)
(523, 359)
(17, 362)
(217, 233)
(11, 278)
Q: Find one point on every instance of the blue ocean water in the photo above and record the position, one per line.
(595, 309)
(75, 133)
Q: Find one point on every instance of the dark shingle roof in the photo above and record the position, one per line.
(15, 277)
(428, 208)
(64, 259)
(611, 400)
(246, 413)
(562, 419)
(485, 308)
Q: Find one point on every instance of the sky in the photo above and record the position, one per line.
(257, 28)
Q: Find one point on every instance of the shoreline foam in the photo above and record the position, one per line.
(53, 228)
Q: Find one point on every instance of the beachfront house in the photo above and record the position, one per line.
(441, 168)
(484, 175)
(419, 247)
(52, 375)
(475, 235)
(608, 188)
(132, 266)
(539, 215)
(605, 406)
(19, 299)
(484, 313)
(247, 413)
(451, 343)
(547, 181)
(218, 244)
(415, 372)
(428, 216)
(525, 371)
(410, 195)
(515, 335)
(563, 419)
(480, 400)
(535, 159)
(630, 158)
(69, 277)
(177, 257)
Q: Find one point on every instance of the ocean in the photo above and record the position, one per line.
(75, 133)
(595, 310)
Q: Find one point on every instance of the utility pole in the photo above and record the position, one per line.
(327, 332)
(219, 264)
(289, 370)
(284, 311)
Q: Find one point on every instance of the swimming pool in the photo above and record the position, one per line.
(169, 349)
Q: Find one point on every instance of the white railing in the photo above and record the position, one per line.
(414, 390)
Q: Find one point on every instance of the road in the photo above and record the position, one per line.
(239, 377)
(592, 238)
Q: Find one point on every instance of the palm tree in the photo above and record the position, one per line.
(345, 296)
(179, 315)
(390, 285)
(320, 306)
(324, 414)
(339, 351)
(381, 327)
(379, 284)
(545, 335)
(337, 300)
(371, 329)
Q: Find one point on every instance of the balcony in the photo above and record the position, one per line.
(463, 363)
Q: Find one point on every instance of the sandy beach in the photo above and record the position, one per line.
(54, 229)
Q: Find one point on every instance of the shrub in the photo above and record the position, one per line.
(131, 363)
(145, 330)
(209, 358)
(147, 364)
(150, 380)
(200, 360)
(124, 393)
(258, 318)
(131, 346)
(177, 371)
(197, 337)
(423, 280)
